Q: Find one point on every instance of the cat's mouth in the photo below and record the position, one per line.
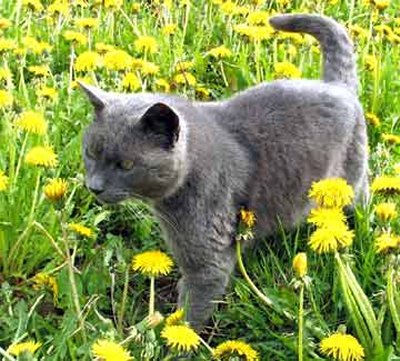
(112, 197)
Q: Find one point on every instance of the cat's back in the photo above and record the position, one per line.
(291, 99)
(296, 132)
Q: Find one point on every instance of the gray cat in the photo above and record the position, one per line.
(200, 162)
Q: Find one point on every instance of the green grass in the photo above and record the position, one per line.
(102, 269)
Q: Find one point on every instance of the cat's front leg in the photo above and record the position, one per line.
(199, 291)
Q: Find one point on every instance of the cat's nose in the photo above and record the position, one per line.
(95, 184)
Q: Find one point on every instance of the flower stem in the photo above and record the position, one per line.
(206, 345)
(152, 296)
(124, 299)
(71, 276)
(6, 355)
(21, 154)
(49, 237)
(301, 322)
(253, 287)
(35, 198)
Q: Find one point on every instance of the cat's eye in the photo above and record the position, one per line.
(125, 164)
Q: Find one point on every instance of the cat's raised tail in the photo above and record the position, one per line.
(339, 59)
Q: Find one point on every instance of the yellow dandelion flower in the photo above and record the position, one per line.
(185, 78)
(80, 230)
(396, 168)
(254, 32)
(87, 23)
(75, 37)
(55, 189)
(5, 74)
(322, 217)
(342, 347)
(112, 4)
(39, 70)
(117, 60)
(145, 43)
(7, 44)
(58, 8)
(372, 119)
(47, 93)
(135, 8)
(299, 264)
(202, 93)
(88, 60)
(358, 32)
(287, 70)
(5, 23)
(289, 49)
(29, 42)
(386, 185)
(384, 30)
(381, 4)
(41, 156)
(42, 47)
(22, 347)
(331, 238)
(6, 98)
(175, 318)
(182, 66)
(371, 62)
(103, 48)
(131, 82)
(162, 84)
(181, 337)
(32, 122)
(295, 37)
(44, 280)
(3, 181)
(153, 263)
(231, 348)
(107, 350)
(332, 193)
(149, 68)
(283, 2)
(386, 211)
(248, 218)
(258, 17)
(391, 138)
(34, 5)
(230, 8)
(169, 29)
(220, 52)
(386, 242)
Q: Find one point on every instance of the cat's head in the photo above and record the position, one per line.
(135, 147)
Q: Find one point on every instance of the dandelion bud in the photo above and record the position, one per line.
(300, 264)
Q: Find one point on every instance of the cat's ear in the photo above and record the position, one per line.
(97, 97)
(161, 121)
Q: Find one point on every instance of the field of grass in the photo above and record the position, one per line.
(66, 272)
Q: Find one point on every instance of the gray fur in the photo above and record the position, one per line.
(260, 149)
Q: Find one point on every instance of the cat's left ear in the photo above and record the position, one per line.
(161, 121)
(97, 97)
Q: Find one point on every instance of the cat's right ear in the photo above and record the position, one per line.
(97, 97)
